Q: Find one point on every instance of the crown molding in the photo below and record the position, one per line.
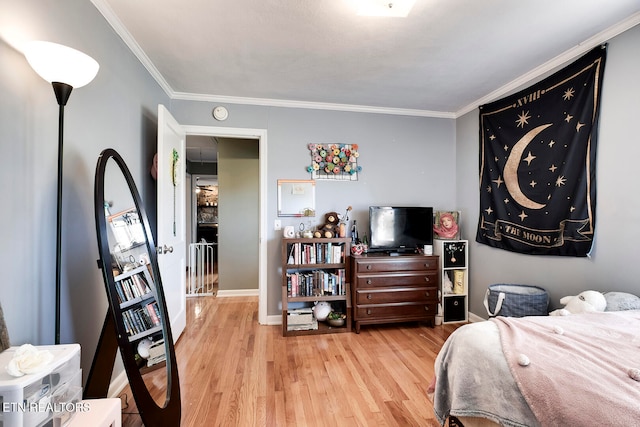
(556, 62)
(309, 105)
(128, 39)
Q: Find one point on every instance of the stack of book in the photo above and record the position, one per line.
(301, 319)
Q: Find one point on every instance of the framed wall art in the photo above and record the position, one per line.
(338, 162)
(445, 225)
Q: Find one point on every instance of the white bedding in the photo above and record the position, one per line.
(565, 384)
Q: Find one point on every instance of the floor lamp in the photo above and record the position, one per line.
(65, 68)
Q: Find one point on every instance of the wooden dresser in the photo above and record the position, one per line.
(387, 289)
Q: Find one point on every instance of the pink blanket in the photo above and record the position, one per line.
(581, 366)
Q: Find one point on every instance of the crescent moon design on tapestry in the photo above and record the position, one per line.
(511, 169)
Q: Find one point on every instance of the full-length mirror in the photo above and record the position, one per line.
(296, 197)
(134, 289)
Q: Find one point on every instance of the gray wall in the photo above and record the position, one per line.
(118, 109)
(405, 161)
(238, 214)
(614, 262)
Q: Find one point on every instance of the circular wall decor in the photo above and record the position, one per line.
(220, 113)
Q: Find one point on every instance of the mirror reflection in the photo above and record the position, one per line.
(134, 284)
(296, 197)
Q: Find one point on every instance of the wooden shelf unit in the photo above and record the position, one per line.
(299, 260)
(454, 255)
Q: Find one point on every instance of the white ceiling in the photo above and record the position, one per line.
(443, 60)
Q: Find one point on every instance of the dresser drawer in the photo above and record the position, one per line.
(381, 264)
(398, 311)
(412, 278)
(385, 296)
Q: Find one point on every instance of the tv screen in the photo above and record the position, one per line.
(400, 229)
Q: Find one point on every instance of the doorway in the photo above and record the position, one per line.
(257, 137)
(203, 247)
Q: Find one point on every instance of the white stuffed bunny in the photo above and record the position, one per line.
(584, 302)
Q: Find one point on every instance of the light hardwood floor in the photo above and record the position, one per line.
(234, 372)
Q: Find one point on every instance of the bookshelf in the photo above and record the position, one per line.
(314, 270)
(139, 307)
(454, 283)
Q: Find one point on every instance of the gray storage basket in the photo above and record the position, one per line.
(516, 300)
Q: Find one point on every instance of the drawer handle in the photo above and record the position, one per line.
(426, 294)
(426, 308)
(456, 303)
(426, 279)
(427, 265)
(369, 266)
(369, 281)
(368, 311)
(369, 296)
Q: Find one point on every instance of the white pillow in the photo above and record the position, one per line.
(620, 301)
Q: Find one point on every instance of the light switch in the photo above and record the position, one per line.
(277, 225)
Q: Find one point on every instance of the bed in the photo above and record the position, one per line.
(582, 369)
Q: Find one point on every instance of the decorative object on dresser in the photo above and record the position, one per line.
(315, 271)
(454, 275)
(389, 289)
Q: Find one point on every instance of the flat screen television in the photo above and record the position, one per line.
(396, 229)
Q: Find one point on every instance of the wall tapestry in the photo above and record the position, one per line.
(537, 163)
(337, 162)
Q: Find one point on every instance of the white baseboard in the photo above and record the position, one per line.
(274, 320)
(475, 318)
(117, 385)
(238, 293)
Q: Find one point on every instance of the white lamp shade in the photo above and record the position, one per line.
(58, 63)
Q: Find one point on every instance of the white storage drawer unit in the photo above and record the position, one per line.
(45, 398)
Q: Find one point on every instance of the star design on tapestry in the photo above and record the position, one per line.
(553, 168)
(529, 158)
(498, 181)
(489, 211)
(551, 143)
(578, 126)
(523, 216)
(492, 137)
(561, 181)
(523, 119)
(568, 118)
(568, 94)
(533, 184)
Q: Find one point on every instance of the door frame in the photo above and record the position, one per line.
(261, 136)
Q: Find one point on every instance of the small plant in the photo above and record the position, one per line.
(336, 315)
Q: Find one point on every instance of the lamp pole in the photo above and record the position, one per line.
(62, 91)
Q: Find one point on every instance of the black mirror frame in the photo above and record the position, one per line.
(151, 413)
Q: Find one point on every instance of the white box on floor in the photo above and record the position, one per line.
(30, 400)
(98, 413)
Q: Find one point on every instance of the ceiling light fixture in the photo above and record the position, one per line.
(385, 8)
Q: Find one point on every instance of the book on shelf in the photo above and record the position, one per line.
(315, 253)
(312, 326)
(316, 283)
(301, 316)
